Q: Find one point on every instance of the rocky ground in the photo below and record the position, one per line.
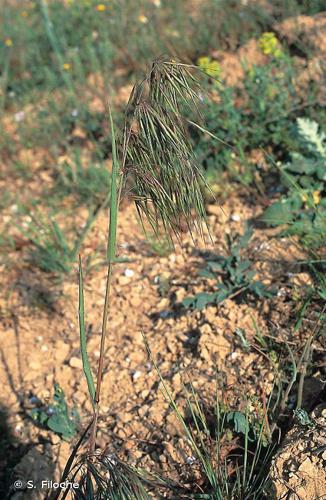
(39, 347)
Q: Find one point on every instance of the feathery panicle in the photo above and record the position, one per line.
(159, 153)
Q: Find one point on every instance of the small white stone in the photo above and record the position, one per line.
(136, 375)
(235, 217)
(129, 273)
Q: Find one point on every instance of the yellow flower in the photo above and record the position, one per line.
(210, 67)
(203, 61)
(313, 197)
(213, 69)
(316, 197)
(101, 7)
(66, 66)
(142, 19)
(8, 42)
(269, 45)
(24, 13)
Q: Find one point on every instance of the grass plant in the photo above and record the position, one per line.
(52, 250)
(239, 473)
(156, 153)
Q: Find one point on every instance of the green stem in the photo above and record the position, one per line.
(111, 257)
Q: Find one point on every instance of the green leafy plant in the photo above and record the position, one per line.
(56, 416)
(257, 115)
(237, 278)
(248, 424)
(260, 113)
(303, 207)
(302, 418)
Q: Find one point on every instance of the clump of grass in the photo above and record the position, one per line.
(233, 470)
(52, 250)
(155, 155)
(89, 184)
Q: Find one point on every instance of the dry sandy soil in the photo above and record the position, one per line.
(39, 347)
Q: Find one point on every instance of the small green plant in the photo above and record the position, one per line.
(303, 419)
(303, 207)
(89, 184)
(56, 416)
(159, 244)
(259, 114)
(237, 278)
(52, 250)
(227, 476)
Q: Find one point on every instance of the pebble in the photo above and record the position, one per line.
(235, 217)
(61, 351)
(136, 300)
(75, 362)
(136, 375)
(35, 365)
(129, 273)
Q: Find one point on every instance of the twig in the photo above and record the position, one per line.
(288, 389)
(303, 364)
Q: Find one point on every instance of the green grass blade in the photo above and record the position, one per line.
(111, 250)
(86, 365)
